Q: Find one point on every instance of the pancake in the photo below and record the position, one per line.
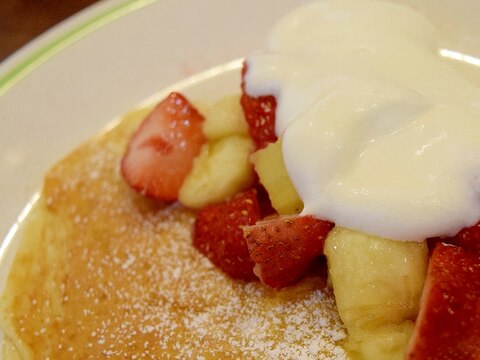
(102, 272)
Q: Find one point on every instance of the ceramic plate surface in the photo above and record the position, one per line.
(79, 76)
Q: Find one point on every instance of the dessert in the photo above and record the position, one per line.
(103, 271)
(379, 136)
(349, 97)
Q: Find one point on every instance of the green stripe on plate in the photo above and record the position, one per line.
(67, 38)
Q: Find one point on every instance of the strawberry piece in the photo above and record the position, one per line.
(260, 115)
(160, 153)
(448, 324)
(283, 248)
(218, 233)
(266, 208)
(468, 238)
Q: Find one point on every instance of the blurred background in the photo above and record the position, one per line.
(22, 20)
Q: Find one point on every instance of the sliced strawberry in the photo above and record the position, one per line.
(218, 233)
(161, 152)
(283, 248)
(448, 324)
(266, 208)
(468, 238)
(260, 115)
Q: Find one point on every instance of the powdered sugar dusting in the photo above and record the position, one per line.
(134, 287)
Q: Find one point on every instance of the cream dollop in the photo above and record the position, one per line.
(379, 133)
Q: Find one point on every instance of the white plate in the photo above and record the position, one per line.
(72, 81)
(67, 84)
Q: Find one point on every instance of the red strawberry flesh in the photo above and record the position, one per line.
(260, 115)
(283, 248)
(218, 234)
(448, 324)
(468, 238)
(160, 153)
(266, 207)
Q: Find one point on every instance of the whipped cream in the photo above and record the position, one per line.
(379, 133)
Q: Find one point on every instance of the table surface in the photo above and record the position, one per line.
(23, 20)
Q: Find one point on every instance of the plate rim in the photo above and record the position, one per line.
(10, 244)
(213, 74)
(60, 36)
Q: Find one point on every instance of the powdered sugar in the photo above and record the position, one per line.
(134, 287)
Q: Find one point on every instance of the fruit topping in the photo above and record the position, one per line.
(468, 238)
(447, 325)
(220, 171)
(218, 233)
(283, 247)
(260, 115)
(266, 207)
(224, 118)
(269, 166)
(160, 153)
(377, 285)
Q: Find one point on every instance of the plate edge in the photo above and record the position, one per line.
(17, 67)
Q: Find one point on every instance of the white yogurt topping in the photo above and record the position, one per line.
(379, 133)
